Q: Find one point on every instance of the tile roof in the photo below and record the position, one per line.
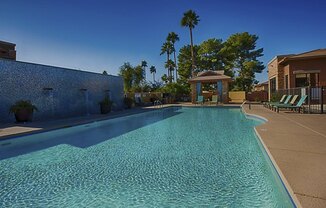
(318, 53)
(210, 76)
(7, 43)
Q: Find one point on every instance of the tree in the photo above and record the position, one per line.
(164, 78)
(153, 71)
(167, 48)
(127, 73)
(170, 65)
(210, 54)
(144, 65)
(185, 62)
(138, 75)
(242, 50)
(105, 72)
(190, 19)
(173, 38)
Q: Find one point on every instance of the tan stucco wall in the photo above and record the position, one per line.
(237, 96)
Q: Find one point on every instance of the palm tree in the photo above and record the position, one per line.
(190, 19)
(153, 71)
(144, 65)
(170, 65)
(173, 37)
(167, 48)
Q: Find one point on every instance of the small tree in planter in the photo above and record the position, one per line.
(128, 102)
(23, 110)
(106, 105)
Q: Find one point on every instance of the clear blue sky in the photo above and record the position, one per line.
(102, 35)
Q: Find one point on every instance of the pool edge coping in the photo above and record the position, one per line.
(284, 181)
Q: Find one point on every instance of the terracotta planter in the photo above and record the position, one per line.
(24, 115)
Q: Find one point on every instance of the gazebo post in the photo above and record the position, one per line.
(220, 90)
(193, 92)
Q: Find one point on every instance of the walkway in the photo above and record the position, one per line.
(13, 129)
(298, 144)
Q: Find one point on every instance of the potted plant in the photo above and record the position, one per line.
(128, 102)
(106, 105)
(23, 110)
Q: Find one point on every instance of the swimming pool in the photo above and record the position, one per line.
(174, 157)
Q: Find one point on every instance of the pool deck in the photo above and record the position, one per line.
(9, 130)
(297, 143)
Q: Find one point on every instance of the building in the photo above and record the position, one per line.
(261, 87)
(7, 50)
(211, 77)
(297, 70)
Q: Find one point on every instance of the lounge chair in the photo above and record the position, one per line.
(214, 99)
(291, 103)
(267, 104)
(200, 99)
(276, 103)
(294, 107)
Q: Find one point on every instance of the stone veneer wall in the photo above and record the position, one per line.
(57, 92)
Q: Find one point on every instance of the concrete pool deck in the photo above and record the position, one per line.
(9, 130)
(297, 143)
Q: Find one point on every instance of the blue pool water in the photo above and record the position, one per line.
(175, 157)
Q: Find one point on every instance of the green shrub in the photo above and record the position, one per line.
(128, 102)
(23, 105)
(276, 97)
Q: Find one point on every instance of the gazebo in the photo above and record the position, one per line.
(211, 77)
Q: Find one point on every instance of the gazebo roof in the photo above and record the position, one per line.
(210, 76)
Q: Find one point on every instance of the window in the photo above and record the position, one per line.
(301, 80)
(307, 79)
(286, 80)
(272, 83)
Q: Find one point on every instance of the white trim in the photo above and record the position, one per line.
(306, 71)
(275, 57)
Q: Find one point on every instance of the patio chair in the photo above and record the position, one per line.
(270, 106)
(298, 106)
(267, 104)
(291, 103)
(200, 99)
(214, 99)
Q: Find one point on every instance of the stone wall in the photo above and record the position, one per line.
(57, 92)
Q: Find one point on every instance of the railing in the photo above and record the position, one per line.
(316, 100)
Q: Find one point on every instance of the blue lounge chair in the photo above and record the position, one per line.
(291, 103)
(298, 106)
(267, 104)
(200, 99)
(214, 99)
(285, 102)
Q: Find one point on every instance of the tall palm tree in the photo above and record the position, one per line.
(144, 65)
(170, 65)
(152, 69)
(173, 38)
(168, 49)
(190, 19)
